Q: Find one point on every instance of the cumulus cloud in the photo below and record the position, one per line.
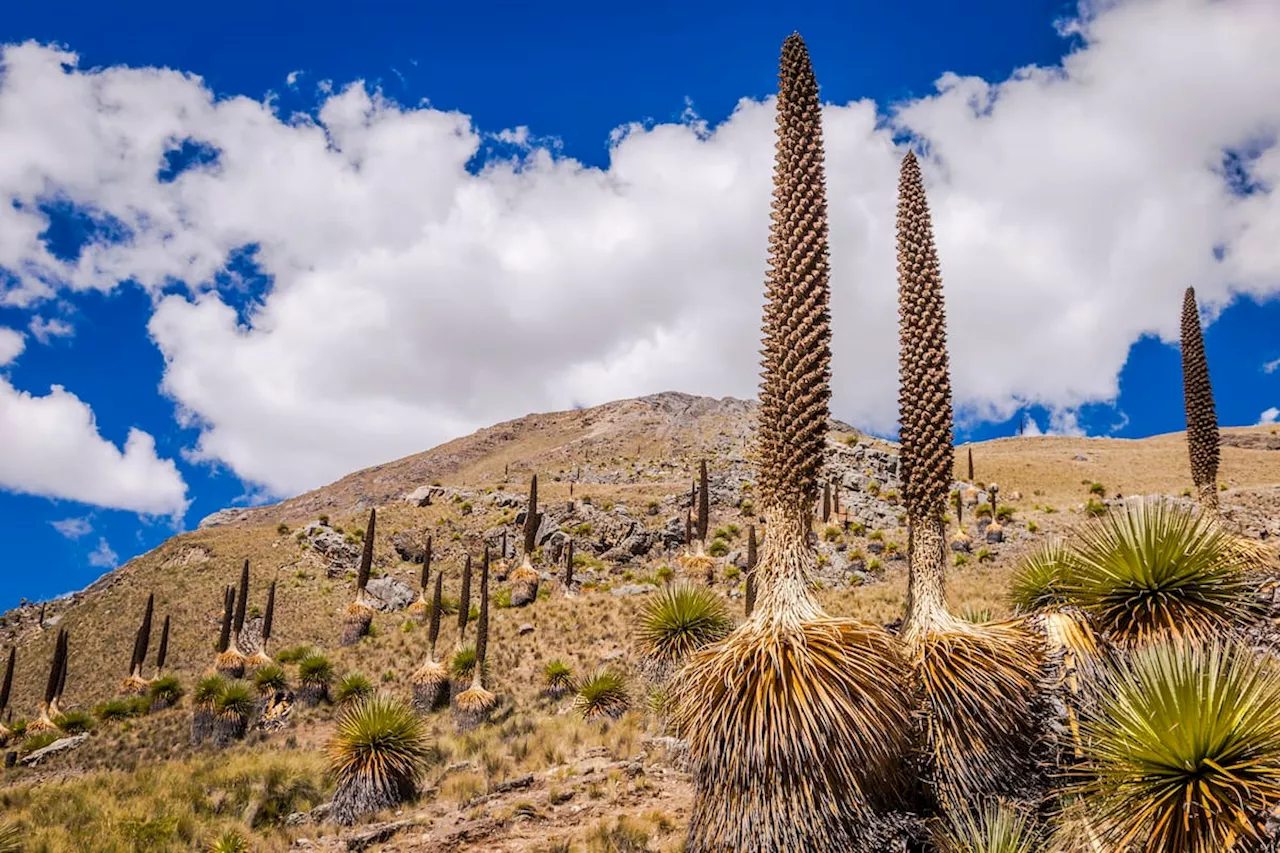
(412, 300)
(1269, 416)
(103, 557)
(1271, 366)
(73, 528)
(45, 330)
(50, 446)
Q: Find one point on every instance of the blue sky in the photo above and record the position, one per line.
(273, 312)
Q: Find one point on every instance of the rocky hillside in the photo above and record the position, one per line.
(615, 481)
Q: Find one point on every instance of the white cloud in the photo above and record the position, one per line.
(103, 557)
(12, 343)
(291, 78)
(1269, 416)
(46, 330)
(1271, 366)
(414, 301)
(50, 446)
(73, 528)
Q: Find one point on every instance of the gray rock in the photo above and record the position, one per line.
(526, 628)
(994, 534)
(616, 654)
(390, 594)
(230, 515)
(58, 746)
(410, 546)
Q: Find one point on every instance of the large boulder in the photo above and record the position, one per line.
(389, 594)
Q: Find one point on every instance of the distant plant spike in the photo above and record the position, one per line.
(688, 528)
(162, 653)
(504, 532)
(426, 565)
(704, 502)
(228, 604)
(970, 464)
(433, 630)
(482, 624)
(826, 502)
(366, 555)
(464, 600)
(531, 517)
(242, 603)
(1202, 418)
(40, 618)
(55, 669)
(268, 619)
(568, 566)
(64, 662)
(142, 640)
(7, 684)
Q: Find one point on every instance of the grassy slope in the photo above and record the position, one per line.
(188, 572)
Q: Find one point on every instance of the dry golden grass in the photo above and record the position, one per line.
(188, 573)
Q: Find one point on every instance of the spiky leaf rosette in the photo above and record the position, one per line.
(704, 501)
(1040, 578)
(1157, 567)
(680, 620)
(979, 690)
(996, 827)
(230, 842)
(205, 701)
(270, 678)
(796, 358)
(353, 687)
(601, 694)
(1197, 395)
(377, 753)
(164, 692)
(531, 517)
(315, 671)
(162, 653)
(793, 729)
(231, 713)
(557, 678)
(11, 838)
(1182, 751)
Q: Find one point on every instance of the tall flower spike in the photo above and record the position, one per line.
(796, 722)
(795, 390)
(1202, 418)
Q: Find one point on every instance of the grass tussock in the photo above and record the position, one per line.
(169, 807)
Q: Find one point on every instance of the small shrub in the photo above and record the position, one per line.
(114, 710)
(165, 691)
(1095, 508)
(718, 548)
(1098, 489)
(282, 529)
(557, 677)
(831, 533)
(1004, 513)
